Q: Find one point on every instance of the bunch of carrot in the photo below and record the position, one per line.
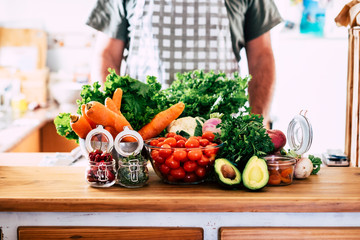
(109, 115)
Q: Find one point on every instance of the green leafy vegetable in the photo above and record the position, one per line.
(316, 163)
(205, 93)
(140, 101)
(244, 136)
(198, 129)
(63, 128)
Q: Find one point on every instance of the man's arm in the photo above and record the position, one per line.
(108, 54)
(262, 68)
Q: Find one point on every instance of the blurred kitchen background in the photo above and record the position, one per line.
(53, 60)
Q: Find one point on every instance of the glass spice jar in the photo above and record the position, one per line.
(101, 174)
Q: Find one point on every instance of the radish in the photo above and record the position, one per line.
(211, 125)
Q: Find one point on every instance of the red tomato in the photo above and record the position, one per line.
(195, 154)
(209, 151)
(192, 143)
(209, 136)
(172, 163)
(155, 155)
(161, 139)
(164, 169)
(204, 161)
(170, 134)
(154, 142)
(178, 173)
(190, 177)
(170, 178)
(171, 141)
(204, 142)
(160, 144)
(200, 172)
(180, 143)
(178, 137)
(165, 151)
(190, 166)
(180, 155)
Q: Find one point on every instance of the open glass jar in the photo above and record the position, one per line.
(281, 170)
(299, 136)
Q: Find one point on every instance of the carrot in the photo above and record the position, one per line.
(92, 124)
(79, 125)
(110, 104)
(112, 131)
(102, 115)
(117, 96)
(161, 121)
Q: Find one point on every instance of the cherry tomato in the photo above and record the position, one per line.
(170, 134)
(178, 137)
(154, 142)
(172, 163)
(180, 143)
(204, 161)
(178, 173)
(170, 141)
(209, 151)
(204, 142)
(165, 151)
(194, 154)
(165, 169)
(190, 177)
(190, 166)
(160, 144)
(180, 155)
(209, 136)
(161, 139)
(170, 178)
(192, 143)
(155, 155)
(200, 172)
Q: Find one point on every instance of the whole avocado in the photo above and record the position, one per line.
(226, 173)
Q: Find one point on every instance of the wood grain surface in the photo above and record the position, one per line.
(109, 233)
(294, 233)
(63, 189)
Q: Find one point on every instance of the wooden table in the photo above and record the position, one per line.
(58, 196)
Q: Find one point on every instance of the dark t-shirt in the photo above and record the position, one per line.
(248, 19)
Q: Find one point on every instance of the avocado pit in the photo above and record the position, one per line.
(228, 172)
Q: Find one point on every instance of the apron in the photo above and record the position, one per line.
(171, 36)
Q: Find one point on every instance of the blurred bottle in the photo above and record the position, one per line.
(313, 18)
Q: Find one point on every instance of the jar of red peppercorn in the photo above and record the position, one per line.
(101, 169)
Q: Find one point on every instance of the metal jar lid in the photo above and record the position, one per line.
(300, 134)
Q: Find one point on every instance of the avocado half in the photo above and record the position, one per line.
(226, 173)
(255, 175)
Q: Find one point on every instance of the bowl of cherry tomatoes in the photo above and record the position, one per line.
(179, 160)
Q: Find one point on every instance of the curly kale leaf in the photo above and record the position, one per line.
(206, 93)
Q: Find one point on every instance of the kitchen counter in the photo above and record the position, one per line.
(332, 198)
(21, 127)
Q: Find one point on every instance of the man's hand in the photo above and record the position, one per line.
(108, 54)
(262, 68)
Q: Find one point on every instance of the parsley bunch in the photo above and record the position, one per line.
(244, 136)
